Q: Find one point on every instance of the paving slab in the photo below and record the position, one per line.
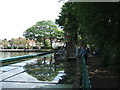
(26, 78)
(31, 86)
(1, 72)
(21, 85)
(23, 63)
(7, 68)
(22, 77)
(11, 73)
(52, 86)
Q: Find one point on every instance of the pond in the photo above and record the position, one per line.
(47, 69)
(13, 54)
(39, 72)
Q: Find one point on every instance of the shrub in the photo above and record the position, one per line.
(35, 47)
(20, 47)
(9, 47)
(47, 43)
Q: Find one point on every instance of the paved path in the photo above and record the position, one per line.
(101, 77)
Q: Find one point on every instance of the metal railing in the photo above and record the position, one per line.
(21, 57)
(60, 52)
(85, 76)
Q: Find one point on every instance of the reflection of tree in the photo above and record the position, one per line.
(43, 69)
(42, 73)
(46, 69)
(44, 61)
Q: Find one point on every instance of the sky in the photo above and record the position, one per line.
(18, 15)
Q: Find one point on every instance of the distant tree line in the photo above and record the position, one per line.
(97, 24)
(16, 43)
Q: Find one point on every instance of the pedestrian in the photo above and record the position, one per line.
(84, 53)
(77, 51)
(88, 51)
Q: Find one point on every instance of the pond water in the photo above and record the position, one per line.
(13, 54)
(39, 72)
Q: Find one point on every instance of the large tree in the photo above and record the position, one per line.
(96, 23)
(42, 30)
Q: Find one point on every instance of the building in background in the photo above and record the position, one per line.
(17, 43)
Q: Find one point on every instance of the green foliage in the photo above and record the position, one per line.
(40, 72)
(43, 30)
(47, 44)
(9, 47)
(96, 23)
(21, 47)
(4, 43)
(35, 47)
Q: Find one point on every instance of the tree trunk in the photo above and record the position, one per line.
(50, 41)
(44, 42)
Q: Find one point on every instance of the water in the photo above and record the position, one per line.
(13, 54)
(39, 72)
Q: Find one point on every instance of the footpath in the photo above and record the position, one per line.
(100, 77)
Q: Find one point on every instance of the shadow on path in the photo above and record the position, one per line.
(100, 77)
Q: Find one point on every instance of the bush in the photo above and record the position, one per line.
(111, 58)
(48, 47)
(9, 47)
(14, 47)
(20, 47)
(42, 47)
(47, 43)
(35, 47)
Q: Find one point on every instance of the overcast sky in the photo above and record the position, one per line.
(18, 15)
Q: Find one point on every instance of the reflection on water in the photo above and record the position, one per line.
(39, 72)
(12, 54)
(47, 69)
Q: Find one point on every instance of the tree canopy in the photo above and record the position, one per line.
(97, 23)
(43, 30)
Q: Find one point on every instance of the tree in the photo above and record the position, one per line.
(96, 23)
(4, 43)
(43, 30)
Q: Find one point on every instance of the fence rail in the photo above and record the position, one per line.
(85, 76)
(21, 57)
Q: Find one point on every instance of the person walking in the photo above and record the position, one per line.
(77, 51)
(84, 53)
